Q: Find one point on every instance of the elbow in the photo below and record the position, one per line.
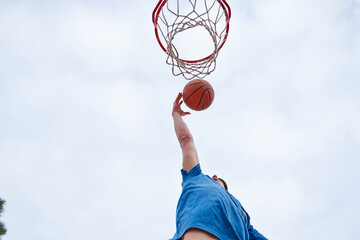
(185, 140)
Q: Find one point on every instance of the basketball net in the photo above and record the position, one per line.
(173, 18)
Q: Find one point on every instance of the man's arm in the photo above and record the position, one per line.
(190, 157)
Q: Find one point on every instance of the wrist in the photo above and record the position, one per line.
(175, 113)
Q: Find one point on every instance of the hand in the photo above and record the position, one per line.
(177, 108)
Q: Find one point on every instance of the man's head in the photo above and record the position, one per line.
(220, 181)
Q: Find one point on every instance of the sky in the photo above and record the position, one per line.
(87, 146)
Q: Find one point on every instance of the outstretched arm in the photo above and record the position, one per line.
(190, 157)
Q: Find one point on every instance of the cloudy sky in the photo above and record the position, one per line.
(87, 147)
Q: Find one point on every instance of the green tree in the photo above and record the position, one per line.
(2, 226)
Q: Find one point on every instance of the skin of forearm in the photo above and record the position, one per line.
(181, 129)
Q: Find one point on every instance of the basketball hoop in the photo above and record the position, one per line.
(169, 20)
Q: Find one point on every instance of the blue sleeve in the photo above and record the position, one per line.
(254, 234)
(188, 176)
(195, 171)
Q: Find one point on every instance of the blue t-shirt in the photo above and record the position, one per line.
(206, 205)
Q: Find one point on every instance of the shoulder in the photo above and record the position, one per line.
(195, 171)
(192, 176)
(196, 177)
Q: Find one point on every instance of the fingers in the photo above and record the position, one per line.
(178, 97)
(177, 104)
(184, 114)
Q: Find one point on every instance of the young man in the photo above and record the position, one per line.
(206, 210)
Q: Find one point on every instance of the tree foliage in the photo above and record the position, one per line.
(2, 226)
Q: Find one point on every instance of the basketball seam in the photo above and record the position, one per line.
(202, 95)
(211, 98)
(192, 94)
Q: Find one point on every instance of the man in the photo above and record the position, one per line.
(206, 210)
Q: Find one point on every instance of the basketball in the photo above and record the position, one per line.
(198, 94)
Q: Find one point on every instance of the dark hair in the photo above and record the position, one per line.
(223, 181)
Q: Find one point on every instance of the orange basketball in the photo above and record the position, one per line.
(198, 94)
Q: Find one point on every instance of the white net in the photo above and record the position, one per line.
(172, 17)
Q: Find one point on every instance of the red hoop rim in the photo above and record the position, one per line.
(155, 16)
